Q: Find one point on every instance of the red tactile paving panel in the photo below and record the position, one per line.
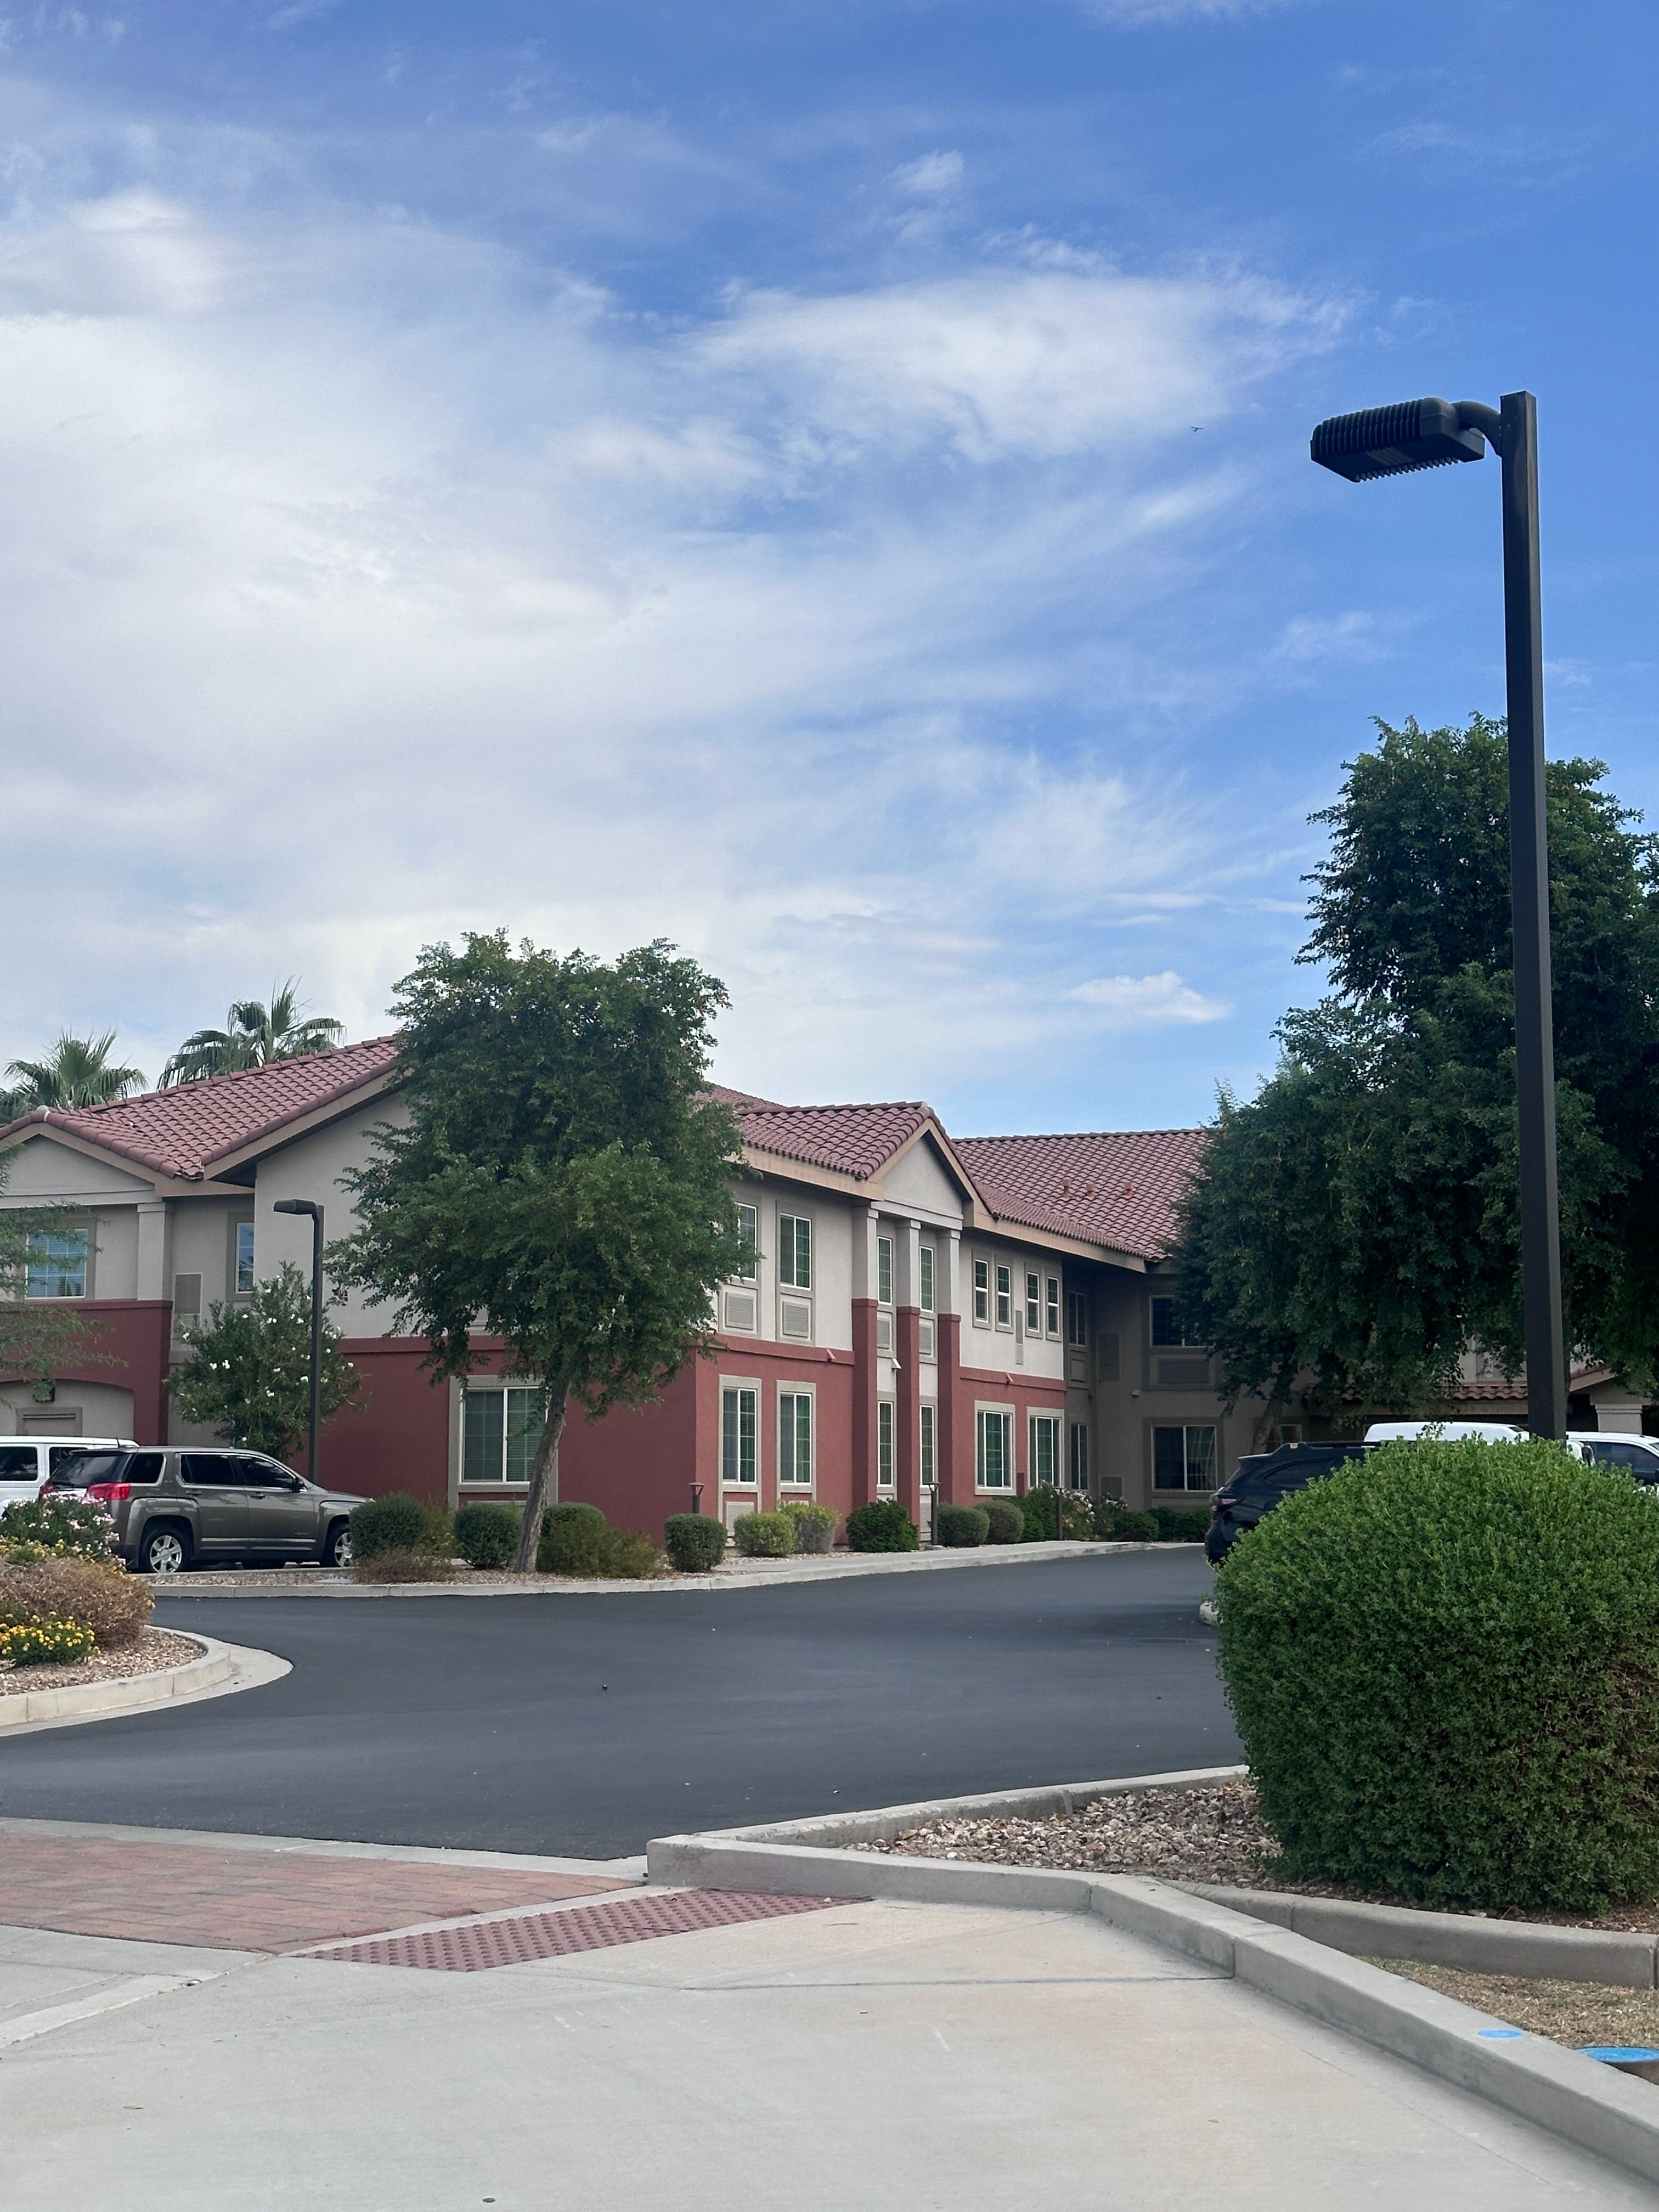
(247, 1901)
(527, 1935)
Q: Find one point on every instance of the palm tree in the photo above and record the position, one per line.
(78, 1072)
(253, 1036)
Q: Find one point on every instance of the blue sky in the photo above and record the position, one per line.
(827, 484)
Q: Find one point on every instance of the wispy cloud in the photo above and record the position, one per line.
(1139, 15)
(1134, 1001)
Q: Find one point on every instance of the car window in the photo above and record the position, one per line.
(143, 1467)
(210, 1470)
(60, 1455)
(262, 1474)
(1636, 1457)
(74, 1470)
(19, 1463)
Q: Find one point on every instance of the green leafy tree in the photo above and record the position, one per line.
(77, 1071)
(1355, 1225)
(562, 1182)
(251, 1377)
(253, 1036)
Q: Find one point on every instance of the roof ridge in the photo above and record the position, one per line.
(198, 1084)
(1059, 1136)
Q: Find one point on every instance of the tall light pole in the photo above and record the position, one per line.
(1427, 433)
(310, 1206)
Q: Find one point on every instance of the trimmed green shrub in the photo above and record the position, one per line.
(1445, 1664)
(47, 1642)
(571, 1540)
(100, 1594)
(962, 1526)
(396, 1523)
(764, 1535)
(628, 1555)
(1105, 1512)
(487, 1536)
(403, 1563)
(882, 1526)
(63, 1523)
(1050, 1514)
(1007, 1521)
(815, 1524)
(1178, 1525)
(694, 1542)
(1135, 1528)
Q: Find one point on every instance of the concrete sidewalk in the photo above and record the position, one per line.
(869, 2055)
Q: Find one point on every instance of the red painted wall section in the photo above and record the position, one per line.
(637, 1467)
(864, 1381)
(1027, 1394)
(908, 1411)
(130, 1340)
(956, 1477)
(397, 1436)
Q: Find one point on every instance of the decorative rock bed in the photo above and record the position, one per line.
(155, 1650)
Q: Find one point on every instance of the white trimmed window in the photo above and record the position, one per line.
(500, 1432)
(795, 1251)
(739, 1433)
(925, 1278)
(245, 1260)
(928, 1440)
(1183, 1458)
(1054, 1305)
(1004, 1296)
(1077, 1317)
(884, 1271)
(1043, 1440)
(983, 1293)
(795, 1439)
(1165, 1329)
(749, 1230)
(993, 1448)
(1079, 1461)
(885, 1477)
(56, 1264)
(1033, 1302)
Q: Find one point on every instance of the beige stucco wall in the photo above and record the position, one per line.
(311, 1168)
(985, 1345)
(40, 1168)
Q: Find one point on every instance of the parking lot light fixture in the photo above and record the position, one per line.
(1431, 434)
(310, 1206)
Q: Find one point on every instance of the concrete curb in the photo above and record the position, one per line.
(1039, 1804)
(1574, 2097)
(838, 1570)
(221, 1670)
(1620, 1957)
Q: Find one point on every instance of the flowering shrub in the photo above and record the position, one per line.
(59, 1522)
(113, 1604)
(44, 1642)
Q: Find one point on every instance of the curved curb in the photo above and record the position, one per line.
(221, 1669)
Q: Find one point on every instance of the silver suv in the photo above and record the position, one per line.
(184, 1504)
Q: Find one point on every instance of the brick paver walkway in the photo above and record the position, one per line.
(247, 1901)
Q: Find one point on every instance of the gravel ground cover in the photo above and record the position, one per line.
(156, 1648)
(1211, 1833)
(1573, 2013)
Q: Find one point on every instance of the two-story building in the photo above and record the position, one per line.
(926, 1317)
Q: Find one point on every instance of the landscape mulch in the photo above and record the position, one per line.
(156, 1648)
(1213, 1833)
(1574, 2012)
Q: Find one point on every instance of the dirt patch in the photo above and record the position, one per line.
(156, 1649)
(1211, 1833)
(1573, 2013)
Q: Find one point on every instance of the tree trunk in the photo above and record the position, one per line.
(1278, 1399)
(546, 1464)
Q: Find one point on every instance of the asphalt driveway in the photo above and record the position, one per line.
(584, 1725)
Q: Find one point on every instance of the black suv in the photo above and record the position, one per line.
(183, 1504)
(1264, 1479)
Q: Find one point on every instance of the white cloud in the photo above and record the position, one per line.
(929, 176)
(1138, 14)
(361, 583)
(1130, 1001)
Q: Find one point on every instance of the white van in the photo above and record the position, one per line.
(1412, 1432)
(25, 1463)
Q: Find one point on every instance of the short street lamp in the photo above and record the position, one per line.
(310, 1206)
(1428, 434)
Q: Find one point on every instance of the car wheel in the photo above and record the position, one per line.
(164, 1552)
(336, 1551)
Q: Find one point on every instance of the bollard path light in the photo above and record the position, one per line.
(1432, 433)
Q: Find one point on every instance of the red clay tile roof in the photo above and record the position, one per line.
(182, 1130)
(1108, 1188)
(854, 1140)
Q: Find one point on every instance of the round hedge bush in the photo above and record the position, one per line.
(694, 1542)
(882, 1526)
(396, 1523)
(1444, 1664)
(486, 1536)
(1007, 1521)
(572, 1541)
(764, 1535)
(814, 1524)
(963, 1526)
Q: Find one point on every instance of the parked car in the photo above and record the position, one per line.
(182, 1503)
(1264, 1479)
(1637, 1455)
(27, 1462)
